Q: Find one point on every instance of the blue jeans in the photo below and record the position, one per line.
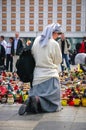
(65, 56)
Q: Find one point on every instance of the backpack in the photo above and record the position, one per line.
(25, 65)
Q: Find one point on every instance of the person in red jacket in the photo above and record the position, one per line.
(83, 46)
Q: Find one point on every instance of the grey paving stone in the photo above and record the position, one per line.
(8, 113)
(78, 126)
(53, 125)
(13, 128)
(21, 125)
(29, 117)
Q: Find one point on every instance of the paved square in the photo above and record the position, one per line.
(70, 118)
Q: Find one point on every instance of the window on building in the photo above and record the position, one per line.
(13, 8)
(78, 28)
(31, 22)
(68, 15)
(78, 21)
(13, 22)
(22, 15)
(68, 28)
(40, 8)
(78, 15)
(78, 8)
(22, 28)
(4, 28)
(59, 15)
(22, 21)
(4, 21)
(50, 8)
(4, 2)
(59, 21)
(13, 2)
(50, 2)
(22, 9)
(13, 15)
(31, 15)
(59, 8)
(31, 2)
(32, 9)
(69, 2)
(59, 1)
(13, 28)
(22, 2)
(41, 2)
(4, 9)
(68, 21)
(78, 1)
(40, 15)
(40, 28)
(69, 8)
(49, 21)
(50, 15)
(31, 28)
(4, 15)
(41, 22)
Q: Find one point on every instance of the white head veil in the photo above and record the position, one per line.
(47, 33)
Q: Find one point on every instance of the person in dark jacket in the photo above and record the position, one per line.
(65, 46)
(17, 47)
(2, 55)
(3, 42)
(9, 55)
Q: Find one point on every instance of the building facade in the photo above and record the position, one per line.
(29, 17)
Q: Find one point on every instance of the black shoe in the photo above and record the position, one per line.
(28, 107)
(22, 109)
(34, 105)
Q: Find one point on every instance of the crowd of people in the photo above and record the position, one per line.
(44, 95)
(9, 52)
